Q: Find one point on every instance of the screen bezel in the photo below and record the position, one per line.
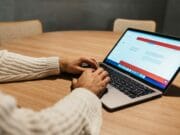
(146, 32)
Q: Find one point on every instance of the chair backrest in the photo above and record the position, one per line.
(120, 25)
(13, 30)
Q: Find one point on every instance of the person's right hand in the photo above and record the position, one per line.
(93, 80)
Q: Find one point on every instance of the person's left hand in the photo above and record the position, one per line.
(75, 66)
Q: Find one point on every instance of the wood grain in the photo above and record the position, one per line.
(159, 116)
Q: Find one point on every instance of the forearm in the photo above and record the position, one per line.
(15, 67)
(79, 113)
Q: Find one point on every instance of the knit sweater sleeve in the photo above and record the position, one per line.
(16, 67)
(79, 113)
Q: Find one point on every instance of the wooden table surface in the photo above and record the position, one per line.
(159, 116)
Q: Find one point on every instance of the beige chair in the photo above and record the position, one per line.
(120, 25)
(13, 30)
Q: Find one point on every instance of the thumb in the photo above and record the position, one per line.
(82, 69)
(74, 83)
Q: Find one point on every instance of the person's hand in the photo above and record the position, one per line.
(75, 66)
(95, 81)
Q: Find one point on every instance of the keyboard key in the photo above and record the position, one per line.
(126, 85)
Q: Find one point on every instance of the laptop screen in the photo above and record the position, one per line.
(150, 57)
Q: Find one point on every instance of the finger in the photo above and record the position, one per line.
(104, 74)
(99, 71)
(74, 81)
(73, 84)
(95, 62)
(90, 62)
(107, 80)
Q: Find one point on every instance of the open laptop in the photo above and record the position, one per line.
(141, 66)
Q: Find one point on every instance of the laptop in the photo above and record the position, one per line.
(141, 66)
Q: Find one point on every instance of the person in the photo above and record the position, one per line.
(77, 113)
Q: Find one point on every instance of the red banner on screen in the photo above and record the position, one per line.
(144, 72)
(171, 46)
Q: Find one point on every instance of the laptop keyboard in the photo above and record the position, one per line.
(126, 85)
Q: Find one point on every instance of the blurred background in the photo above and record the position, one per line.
(59, 15)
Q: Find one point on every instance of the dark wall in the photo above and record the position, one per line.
(172, 18)
(7, 10)
(85, 14)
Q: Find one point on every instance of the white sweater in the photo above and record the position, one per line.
(79, 113)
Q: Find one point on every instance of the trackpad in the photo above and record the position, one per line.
(114, 98)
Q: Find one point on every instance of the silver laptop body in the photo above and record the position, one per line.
(115, 98)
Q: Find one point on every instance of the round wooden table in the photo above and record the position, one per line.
(160, 116)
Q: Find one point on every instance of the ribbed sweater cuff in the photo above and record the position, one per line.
(52, 66)
(94, 108)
